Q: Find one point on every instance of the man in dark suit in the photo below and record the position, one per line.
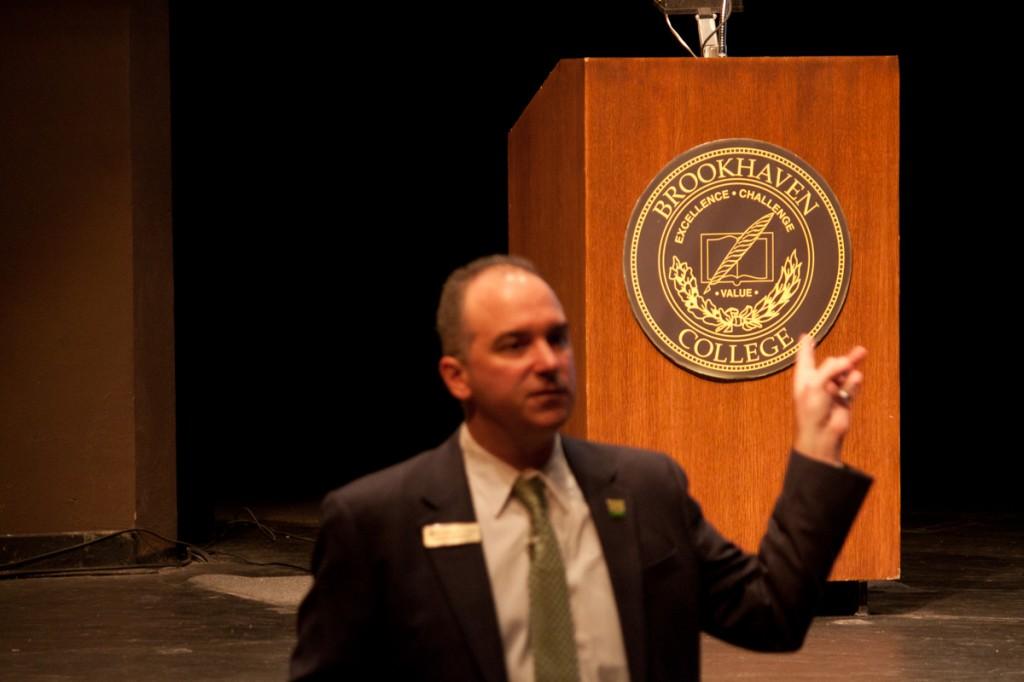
(448, 567)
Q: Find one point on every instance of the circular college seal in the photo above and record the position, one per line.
(733, 250)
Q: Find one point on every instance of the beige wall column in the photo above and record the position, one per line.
(86, 301)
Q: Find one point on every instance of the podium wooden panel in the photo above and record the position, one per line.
(579, 157)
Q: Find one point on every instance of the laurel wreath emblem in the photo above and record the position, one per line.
(753, 316)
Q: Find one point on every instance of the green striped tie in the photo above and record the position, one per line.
(551, 629)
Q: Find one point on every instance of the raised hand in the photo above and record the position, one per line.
(822, 395)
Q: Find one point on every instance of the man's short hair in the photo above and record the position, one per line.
(453, 295)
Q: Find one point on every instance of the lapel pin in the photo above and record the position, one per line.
(616, 507)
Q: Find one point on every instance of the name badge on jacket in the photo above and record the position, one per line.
(450, 534)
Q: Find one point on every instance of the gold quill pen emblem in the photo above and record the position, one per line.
(739, 249)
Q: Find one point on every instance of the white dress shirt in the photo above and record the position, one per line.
(505, 531)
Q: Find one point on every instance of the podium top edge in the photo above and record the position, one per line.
(683, 58)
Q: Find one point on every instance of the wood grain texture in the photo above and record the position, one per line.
(580, 156)
(546, 201)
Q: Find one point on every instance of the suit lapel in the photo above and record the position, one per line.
(595, 473)
(461, 569)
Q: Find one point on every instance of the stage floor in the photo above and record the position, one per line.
(956, 614)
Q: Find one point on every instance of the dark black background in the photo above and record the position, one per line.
(333, 163)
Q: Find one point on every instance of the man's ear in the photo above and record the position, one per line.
(453, 373)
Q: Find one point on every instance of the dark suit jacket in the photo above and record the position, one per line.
(385, 607)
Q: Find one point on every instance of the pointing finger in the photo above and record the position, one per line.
(805, 359)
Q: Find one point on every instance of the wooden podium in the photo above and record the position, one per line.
(579, 157)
